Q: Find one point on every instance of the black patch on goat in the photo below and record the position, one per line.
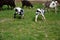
(21, 10)
(16, 10)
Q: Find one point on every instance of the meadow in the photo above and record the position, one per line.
(27, 28)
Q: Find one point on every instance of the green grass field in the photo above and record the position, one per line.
(27, 29)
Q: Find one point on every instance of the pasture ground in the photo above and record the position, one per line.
(27, 29)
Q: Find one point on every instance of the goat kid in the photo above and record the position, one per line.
(52, 4)
(19, 11)
(39, 12)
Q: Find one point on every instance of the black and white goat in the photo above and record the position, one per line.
(19, 11)
(39, 12)
(52, 4)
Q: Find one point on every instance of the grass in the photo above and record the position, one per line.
(27, 29)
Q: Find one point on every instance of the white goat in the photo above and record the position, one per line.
(39, 12)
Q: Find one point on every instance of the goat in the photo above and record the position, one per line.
(52, 4)
(19, 11)
(39, 12)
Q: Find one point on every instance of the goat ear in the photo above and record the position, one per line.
(56, 2)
